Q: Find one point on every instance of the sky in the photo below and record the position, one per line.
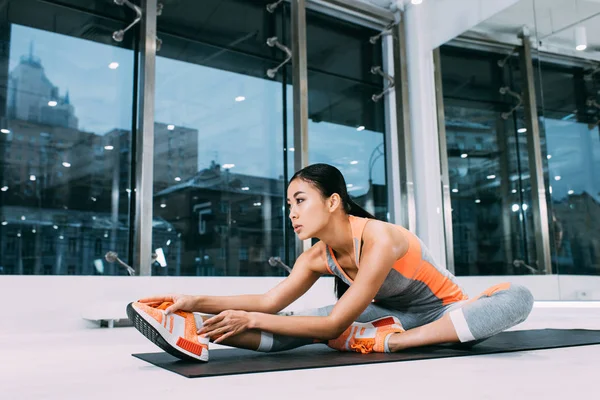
(574, 163)
(247, 133)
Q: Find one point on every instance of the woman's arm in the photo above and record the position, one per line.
(383, 245)
(217, 304)
(307, 269)
(305, 273)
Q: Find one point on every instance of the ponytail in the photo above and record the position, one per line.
(354, 209)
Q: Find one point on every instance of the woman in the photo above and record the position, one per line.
(391, 293)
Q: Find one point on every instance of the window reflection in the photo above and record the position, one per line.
(63, 199)
(572, 142)
(219, 148)
(488, 164)
(346, 127)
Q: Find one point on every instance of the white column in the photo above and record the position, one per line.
(428, 26)
(425, 143)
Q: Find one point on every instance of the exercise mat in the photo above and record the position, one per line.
(238, 361)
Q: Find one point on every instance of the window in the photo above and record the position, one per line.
(346, 127)
(572, 152)
(73, 245)
(49, 244)
(219, 120)
(62, 115)
(487, 163)
(98, 246)
(11, 244)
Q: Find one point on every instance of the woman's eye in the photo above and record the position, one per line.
(299, 201)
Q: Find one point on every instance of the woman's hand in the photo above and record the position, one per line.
(226, 324)
(181, 302)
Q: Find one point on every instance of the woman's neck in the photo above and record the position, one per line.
(338, 235)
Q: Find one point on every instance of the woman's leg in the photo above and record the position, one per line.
(267, 342)
(495, 310)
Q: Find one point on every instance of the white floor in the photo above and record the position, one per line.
(97, 364)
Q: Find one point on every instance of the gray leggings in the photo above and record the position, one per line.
(495, 310)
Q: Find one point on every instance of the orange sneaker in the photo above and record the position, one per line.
(174, 333)
(367, 337)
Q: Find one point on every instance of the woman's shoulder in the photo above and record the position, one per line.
(380, 233)
(314, 258)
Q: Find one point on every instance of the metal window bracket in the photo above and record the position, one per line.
(271, 7)
(120, 34)
(386, 31)
(591, 102)
(590, 74)
(272, 42)
(276, 262)
(502, 63)
(112, 257)
(506, 90)
(378, 71)
(523, 264)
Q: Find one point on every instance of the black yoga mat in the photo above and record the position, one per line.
(237, 361)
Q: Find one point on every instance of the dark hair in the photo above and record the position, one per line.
(328, 180)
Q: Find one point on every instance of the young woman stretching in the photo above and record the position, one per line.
(391, 293)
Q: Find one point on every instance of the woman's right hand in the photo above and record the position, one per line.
(181, 302)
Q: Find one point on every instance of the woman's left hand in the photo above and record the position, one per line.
(226, 324)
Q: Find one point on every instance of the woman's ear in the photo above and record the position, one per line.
(334, 202)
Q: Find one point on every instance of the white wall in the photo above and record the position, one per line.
(34, 304)
(450, 18)
(56, 303)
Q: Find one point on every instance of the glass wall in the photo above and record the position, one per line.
(224, 142)
(219, 139)
(223, 133)
(487, 136)
(488, 163)
(66, 104)
(572, 149)
(346, 126)
(569, 105)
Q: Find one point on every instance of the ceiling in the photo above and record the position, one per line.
(551, 22)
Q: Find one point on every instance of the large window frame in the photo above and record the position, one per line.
(530, 56)
(397, 132)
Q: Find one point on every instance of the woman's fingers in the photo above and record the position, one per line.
(156, 299)
(172, 308)
(214, 320)
(217, 332)
(224, 337)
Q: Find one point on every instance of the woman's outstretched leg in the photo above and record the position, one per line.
(267, 342)
(495, 310)
(176, 332)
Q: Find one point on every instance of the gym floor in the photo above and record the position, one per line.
(97, 364)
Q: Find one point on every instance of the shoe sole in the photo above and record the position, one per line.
(151, 329)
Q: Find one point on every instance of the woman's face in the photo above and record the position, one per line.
(309, 212)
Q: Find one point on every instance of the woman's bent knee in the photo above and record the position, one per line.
(522, 301)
